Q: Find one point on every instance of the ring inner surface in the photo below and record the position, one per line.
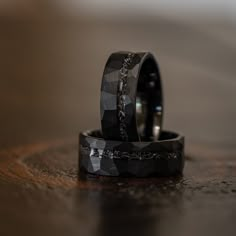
(149, 101)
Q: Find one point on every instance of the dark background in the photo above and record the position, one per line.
(52, 62)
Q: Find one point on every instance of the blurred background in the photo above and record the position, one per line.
(53, 52)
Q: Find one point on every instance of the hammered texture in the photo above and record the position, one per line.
(118, 96)
(141, 159)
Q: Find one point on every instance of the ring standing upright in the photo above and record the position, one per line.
(131, 97)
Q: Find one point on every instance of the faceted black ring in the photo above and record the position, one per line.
(140, 159)
(131, 97)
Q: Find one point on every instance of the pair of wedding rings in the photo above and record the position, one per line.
(131, 141)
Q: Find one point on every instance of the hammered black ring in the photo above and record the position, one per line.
(138, 159)
(131, 97)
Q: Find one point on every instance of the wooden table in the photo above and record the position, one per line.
(49, 91)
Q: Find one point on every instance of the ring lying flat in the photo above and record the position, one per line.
(141, 159)
(131, 97)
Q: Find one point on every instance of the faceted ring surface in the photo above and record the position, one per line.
(131, 102)
(139, 159)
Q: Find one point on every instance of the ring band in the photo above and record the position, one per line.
(131, 97)
(141, 159)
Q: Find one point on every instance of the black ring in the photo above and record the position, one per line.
(131, 97)
(141, 159)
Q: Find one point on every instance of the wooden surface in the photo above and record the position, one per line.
(49, 91)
